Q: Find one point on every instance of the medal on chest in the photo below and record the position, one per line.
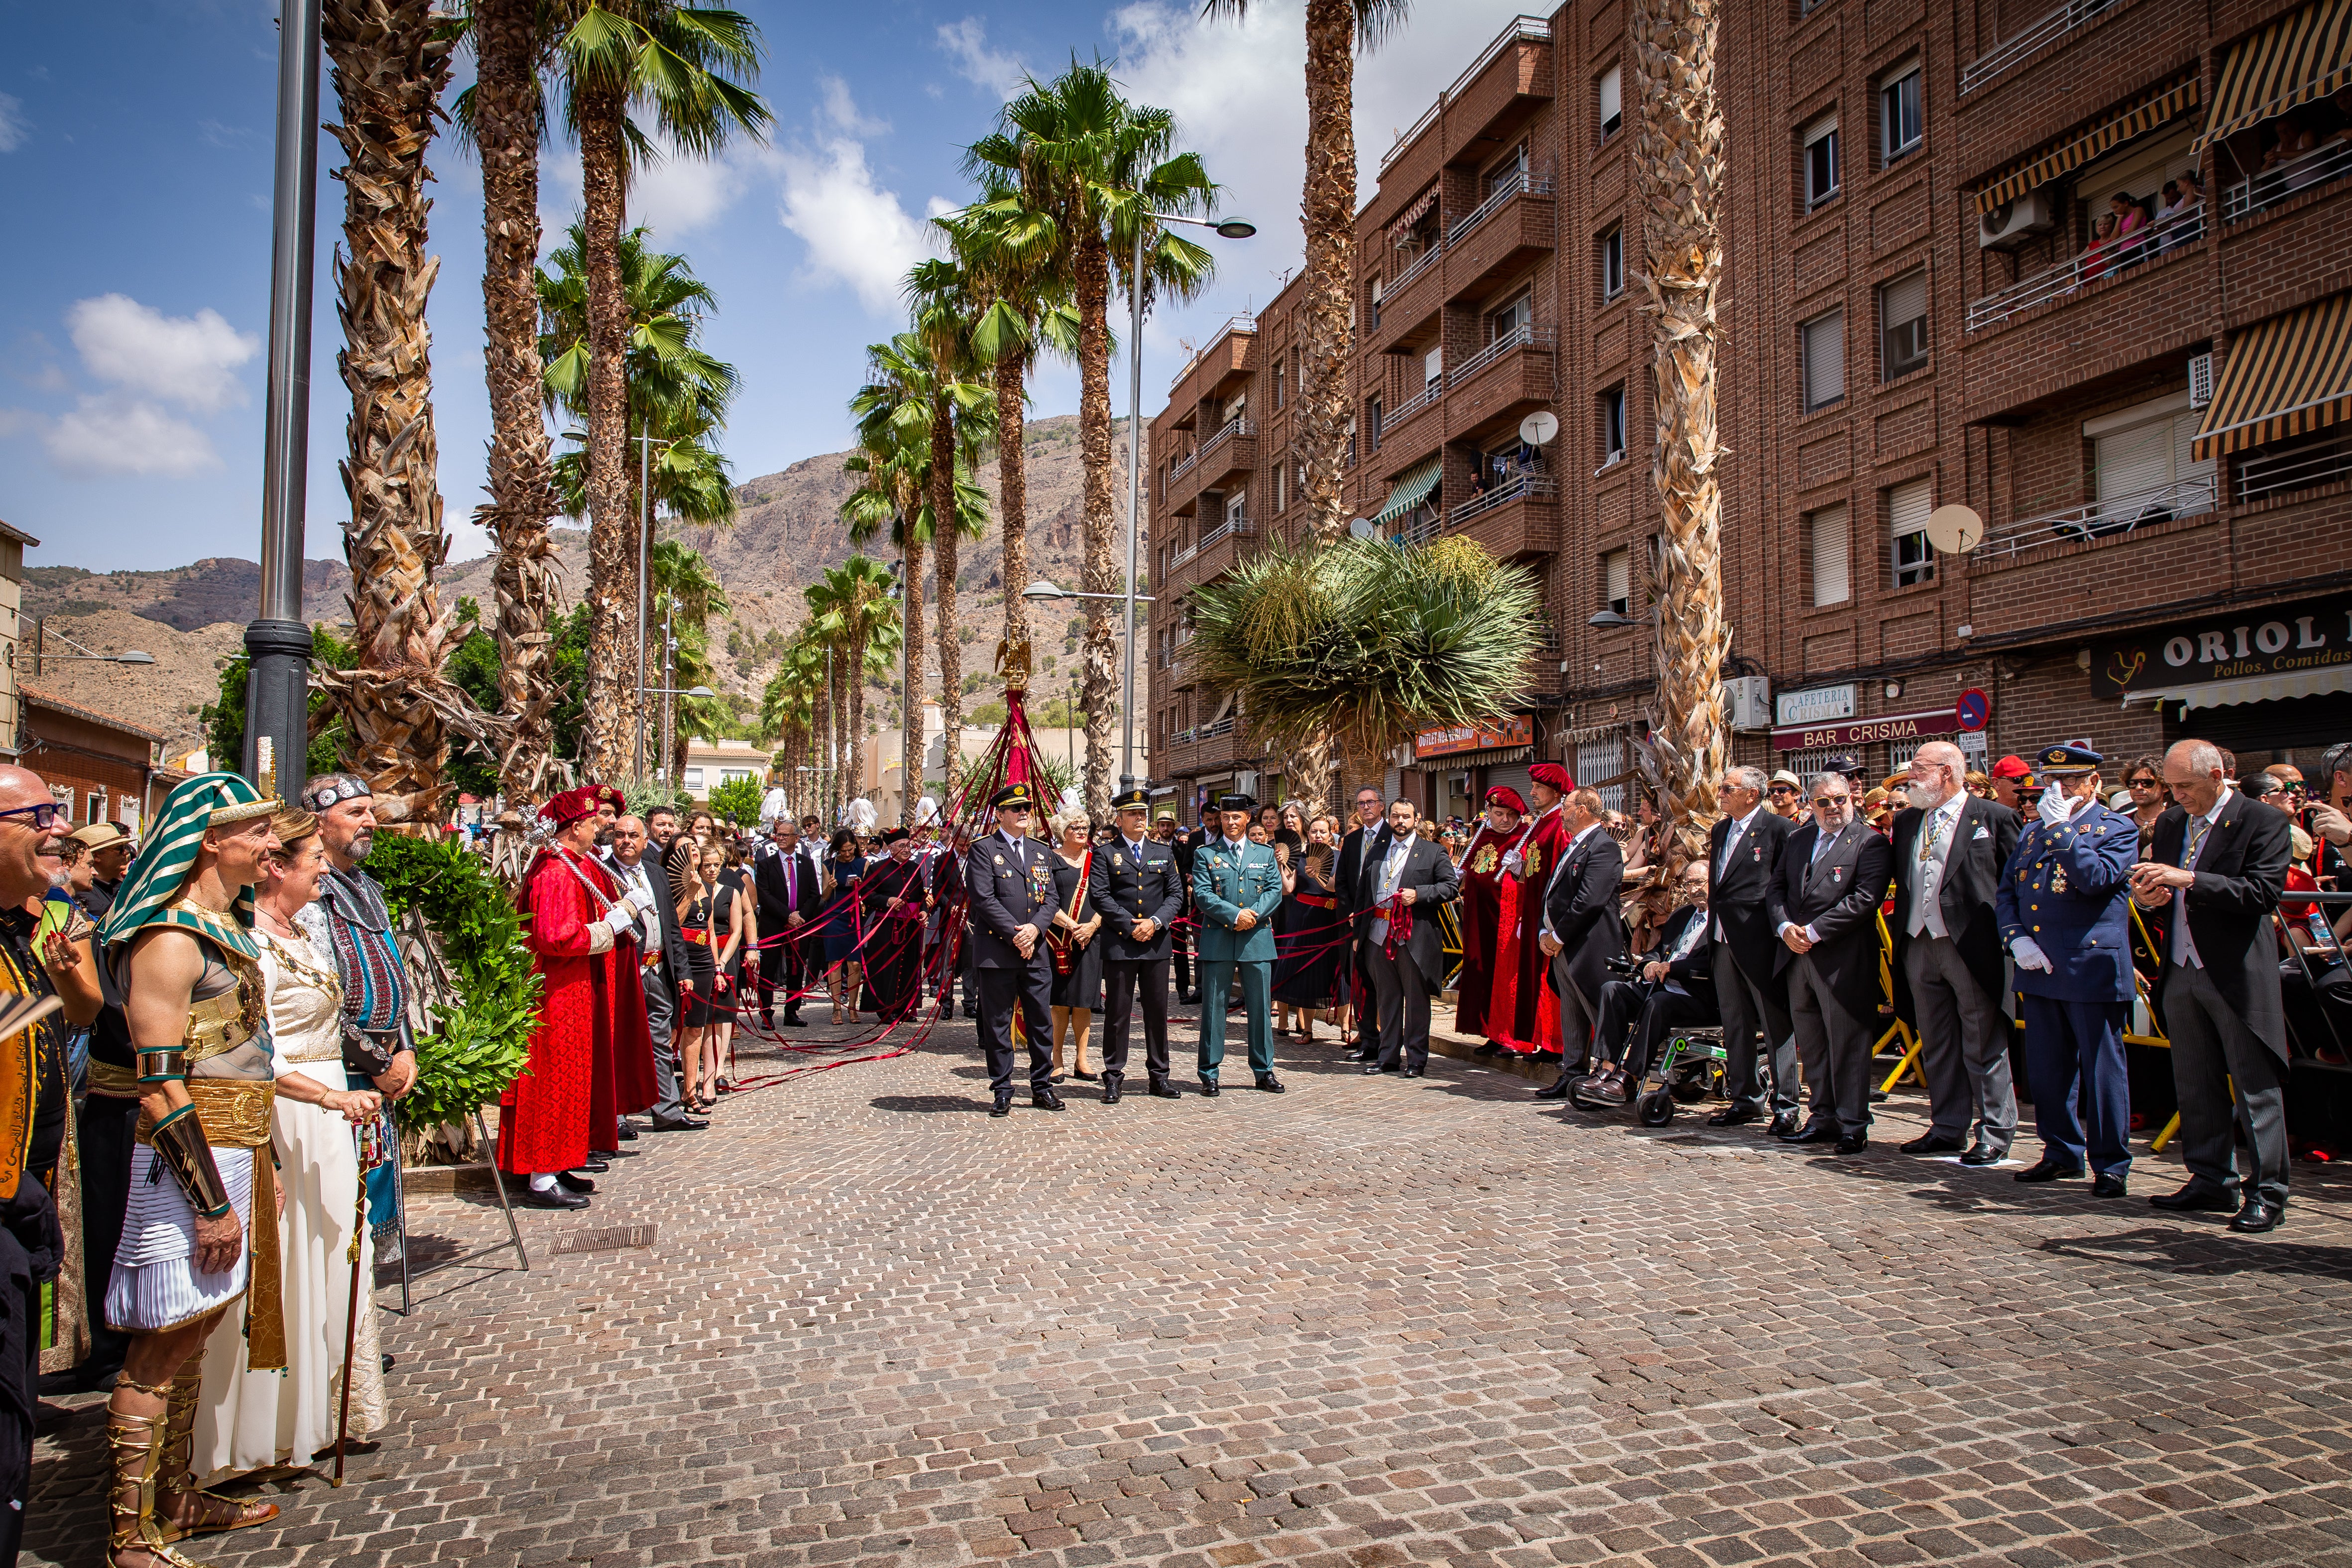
(2058, 880)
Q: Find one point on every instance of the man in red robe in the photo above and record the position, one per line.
(569, 922)
(625, 1081)
(1481, 909)
(1522, 1013)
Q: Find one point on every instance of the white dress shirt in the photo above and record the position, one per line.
(2193, 839)
(1680, 950)
(1939, 831)
(1739, 826)
(637, 880)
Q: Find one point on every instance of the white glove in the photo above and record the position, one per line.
(1513, 860)
(2054, 808)
(2029, 954)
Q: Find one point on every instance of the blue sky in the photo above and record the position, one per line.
(135, 149)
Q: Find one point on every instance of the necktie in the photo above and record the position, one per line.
(1730, 843)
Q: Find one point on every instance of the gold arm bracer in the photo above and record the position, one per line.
(179, 1144)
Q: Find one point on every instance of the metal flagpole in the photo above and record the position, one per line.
(645, 582)
(1134, 504)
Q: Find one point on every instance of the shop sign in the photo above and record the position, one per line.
(2231, 645)
(1864, 732)
(1492, 735)
(1821, 705)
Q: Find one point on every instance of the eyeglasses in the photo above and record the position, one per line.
(2141, 784)
(40, 818)
(1821, 800)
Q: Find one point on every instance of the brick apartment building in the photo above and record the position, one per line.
(1918, 309)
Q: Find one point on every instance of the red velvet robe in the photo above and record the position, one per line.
(1481, 909)
(545, 1116)
(1522, 1013)
(625, 1056)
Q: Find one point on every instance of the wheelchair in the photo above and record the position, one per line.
(1689, 1067)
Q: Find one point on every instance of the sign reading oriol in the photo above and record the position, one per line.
(2231, 645)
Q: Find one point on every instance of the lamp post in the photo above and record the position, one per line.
(645, 575)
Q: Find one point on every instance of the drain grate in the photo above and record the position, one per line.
(610, 1239)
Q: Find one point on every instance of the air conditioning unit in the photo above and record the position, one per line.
(2200, 380)
(1749, 698)
(2007, 226)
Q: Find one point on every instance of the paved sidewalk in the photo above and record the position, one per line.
(1370, 1321)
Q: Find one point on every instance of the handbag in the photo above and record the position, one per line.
(1066, 952)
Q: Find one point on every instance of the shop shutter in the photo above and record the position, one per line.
(1511, 775)
(1833, 557)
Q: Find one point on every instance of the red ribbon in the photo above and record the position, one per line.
(1400, 919)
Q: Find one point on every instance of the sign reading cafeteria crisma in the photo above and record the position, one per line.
(1863, 732)
(1488, 737)
(2230, 644)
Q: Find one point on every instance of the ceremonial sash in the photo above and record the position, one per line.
(234, 1115)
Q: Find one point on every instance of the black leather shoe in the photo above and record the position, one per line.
(1824, 1133)
(1490, 1048)
(1111, 1092)
(1852, 1145)
(1046, 1099)
(2047, 1170)
(1163, 1090)
(1983, 1154)
(1931, 1144)
(792, 1020)
(571, 1184)
(596, 1165)
(1271, 1084)
(2257, 1216)
(1733, 1117)
(1558, 1089)
(1413, 1072)
(1003, 1107)
(530, 1198)
(680, 1123)
(2198, 1196)
(972, 1009)
(1374, 1070)
(1783, 1125)
(628, 1130)
(2107, 1184)
(1083, 1076)
(1208, 1089)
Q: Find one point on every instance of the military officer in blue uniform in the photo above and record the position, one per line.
(1010, 880)
(2064, 910)
(1137, 888)
(1236, 888)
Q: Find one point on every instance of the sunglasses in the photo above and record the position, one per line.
(2142, 784)
(1780, 789)
(1821, 800)
(41, 818)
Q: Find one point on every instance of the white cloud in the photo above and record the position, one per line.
(967, 43)
(13, 127)
(188, 360)
(841, 110)
(115, 435)
(855, 232)
(683, 193)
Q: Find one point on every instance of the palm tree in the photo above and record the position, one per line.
(792, 705)
(390, 61)
(1095, 167)
(677, 63)
(893, 464)
(1335, 30)
(1680, 173)
(962, 411)
(853, 612)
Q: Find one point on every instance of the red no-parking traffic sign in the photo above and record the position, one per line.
(1974, 710)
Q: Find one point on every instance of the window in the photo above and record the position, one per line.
(1613, 263)
(2144, 466)
(1831, 548)
(97, 806)
(1519, 312)
(1612, 103)
(1237, 510)
(1433, 367)
(1617, 581)
(1612, 426)
(1372, 422)
(1509, 173)
(1277, 385)
(1824, 340)
(1821, 161)
(1281, 485)
(1908, 506)
(1351, 440)
(694, 778)
(1898, 114)
(1903, 325)
(1376, 303)
(1603, 759)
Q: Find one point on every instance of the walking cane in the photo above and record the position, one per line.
(352, 1313)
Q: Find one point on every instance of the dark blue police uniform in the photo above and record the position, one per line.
(1134, 881)
(1011, 885)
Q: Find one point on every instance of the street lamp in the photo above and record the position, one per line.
(1229, 229)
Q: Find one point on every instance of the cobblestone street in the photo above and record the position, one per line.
(1370, 1321)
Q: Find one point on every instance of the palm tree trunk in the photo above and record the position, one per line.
(1094, 447)
(836, 720)
(611, 537)
(910, 715)
(522, 495)
(858, 726)
(949, 548)
(1012, 476)
(1329, 208)
(1679, 169)
(389, 69)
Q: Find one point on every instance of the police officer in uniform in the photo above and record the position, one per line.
(1010, 880)
(1138, 890)
(1236, 888)
(2063, 915)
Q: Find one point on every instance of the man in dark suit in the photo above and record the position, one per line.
(1675, 991)
(1163, 831)
(1743, 857)
(1823, 902)
(1583, 929)
(1403, 881)
(784, 881)
(1135, 887)
(1369, 836)
(1949, 848)
(2213, 875)
(1010, 882)
(636, 863)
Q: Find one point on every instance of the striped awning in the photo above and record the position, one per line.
(2291, 374)
(1411, 489)
(1402, 224)
(2293, 60)
(2165, 103)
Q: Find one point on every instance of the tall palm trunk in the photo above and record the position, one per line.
(397, 705)
(612, 533)
(836, 725)
(523, 494)
(910, 702)
(1013, 482)
(857, 724)
(1094, 451)
(1329, 208)
(949, 550)
(1679, 169)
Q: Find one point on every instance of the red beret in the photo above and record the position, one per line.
(612, 795)
(1552, 773)
(1508, 798)
(569, 807)
(2011, 768)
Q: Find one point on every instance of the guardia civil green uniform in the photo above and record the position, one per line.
(1228, 877)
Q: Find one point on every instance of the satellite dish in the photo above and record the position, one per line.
(1539, 427)
(1954, 529)
(1362, 528)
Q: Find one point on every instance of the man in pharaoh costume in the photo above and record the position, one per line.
(201, 1228)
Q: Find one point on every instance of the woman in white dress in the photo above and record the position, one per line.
(252, 1420)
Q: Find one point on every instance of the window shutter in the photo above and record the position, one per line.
(2133, 462)
(1832, 552)
(1617, 575)
(1905, 299)
(1613, 98)
(1907, 506)
(1432, 365)
(1826, 359)
(1820, 128)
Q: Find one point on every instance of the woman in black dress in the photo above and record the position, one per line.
(1078, 967)
(895, 902)
(839, 924)
(706, 918)
(1307, 971)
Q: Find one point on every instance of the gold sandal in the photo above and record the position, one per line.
(135, 1445)
(214, 1514)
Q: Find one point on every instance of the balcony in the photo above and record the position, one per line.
(2015, 47)
(1522, 33)
(1205, 748)
(1514, 371)
(2281, 181)
(1220, 547)
(1517, 185)
(2261, 474)
(1394, 421)
(2112, 518)
(1520, 516)
(1233, 353)
(2090, 271)
(1504, 237)
(1411, 298)
(1232, 446)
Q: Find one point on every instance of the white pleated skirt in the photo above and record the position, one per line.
(156, 1284)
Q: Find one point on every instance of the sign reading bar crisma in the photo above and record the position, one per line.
(1491, 736)
(2230, 644)
(1863, 732)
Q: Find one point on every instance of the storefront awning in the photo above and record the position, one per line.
(2293, 60)
(2290, 375)
(2165, 103)
(1410, 490)
(2275, 688)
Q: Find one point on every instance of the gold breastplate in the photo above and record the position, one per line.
(222, 1023)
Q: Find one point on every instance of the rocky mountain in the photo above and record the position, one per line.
(162, 696)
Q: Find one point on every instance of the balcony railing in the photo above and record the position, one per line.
(1231, 528)
(2266, 474)
(2280, 181)
(2011, 49)
(1523, 484)
(1520, 337)
(2103, 518)
(1420, 264)
(1529, 29)
(1393, 419)
(1245, 322)
(1229, 429)
(1198, 733)
(1522, 183)
(1184, 553)
(2090, 268)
